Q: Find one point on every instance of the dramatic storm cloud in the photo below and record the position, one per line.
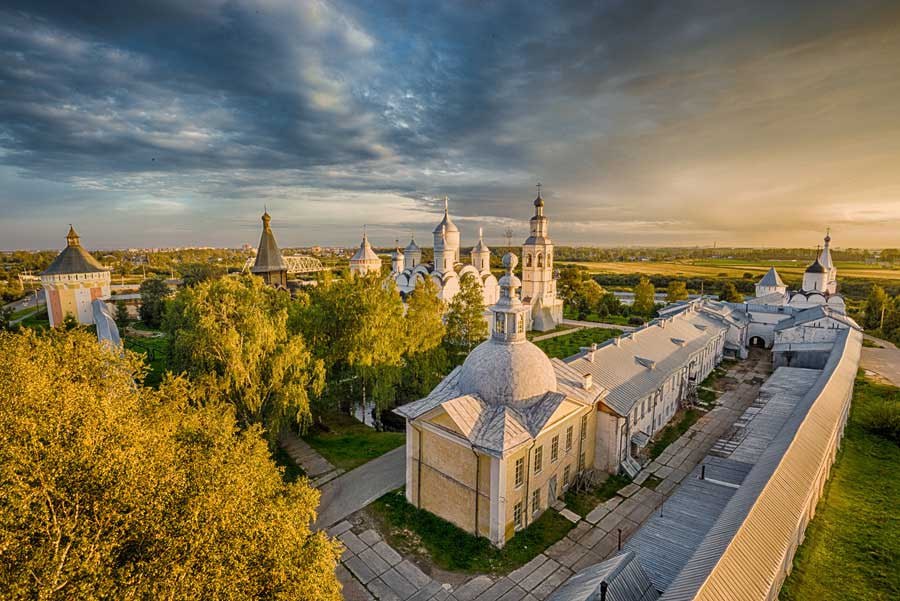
(164, 123)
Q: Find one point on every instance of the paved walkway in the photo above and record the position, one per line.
(352, 491)
(597, 324)
(371, 569)
(317, 468)
(883, 361)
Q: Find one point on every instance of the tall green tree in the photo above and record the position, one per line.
(730, 293)
(676, 291)
(466, 326)
(876, 303)
(196, 273)
(116, 491)
(426, 360)
(230, 336)
(644, 298)
(154, 293)
(587, 298)
(122, 317)
(356, 327)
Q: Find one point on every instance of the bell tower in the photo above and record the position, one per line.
(537, 258)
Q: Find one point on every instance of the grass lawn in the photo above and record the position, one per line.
(852, 546)
(560, 328)
(156, 355)
(583, 503)
(347, 443)
(38, 321)
(418, 532)
(678, 426)
(569, 344)
(26, 311)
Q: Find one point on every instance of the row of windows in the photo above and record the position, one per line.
(554, 453)
(539, 259)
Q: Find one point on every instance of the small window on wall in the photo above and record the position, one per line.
(520, 471)
(567, 473)
(554, 449)
(549, 259)
(581, 462)
(538, 459)
(521, 324)
(517, 515)
(569, 438)
(540, 260)
(583, 427)
(536, 501)
(500, 323)
(528, 260)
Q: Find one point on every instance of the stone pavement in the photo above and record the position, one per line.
(371, 569)
(317, 468)
(352, 491)
(883, 361)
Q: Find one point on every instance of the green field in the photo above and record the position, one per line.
(852, 546)
(713, 268)
(569, 344)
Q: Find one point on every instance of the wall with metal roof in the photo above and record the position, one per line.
(748, 552)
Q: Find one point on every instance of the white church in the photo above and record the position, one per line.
(544, 309)
(819, 286)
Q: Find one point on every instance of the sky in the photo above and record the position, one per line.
(686, 123)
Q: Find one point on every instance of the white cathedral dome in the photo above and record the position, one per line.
(507, 373)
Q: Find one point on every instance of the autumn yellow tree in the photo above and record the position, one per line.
(110, 490)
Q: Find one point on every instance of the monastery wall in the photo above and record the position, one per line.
(749, 551)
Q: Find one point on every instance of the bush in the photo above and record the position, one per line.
(635, 321)
(883, 418)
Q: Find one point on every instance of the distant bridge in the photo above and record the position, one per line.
(295, 264)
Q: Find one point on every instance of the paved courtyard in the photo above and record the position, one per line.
(371, 569)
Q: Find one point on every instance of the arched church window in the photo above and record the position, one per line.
(528, 260)
(540, 260)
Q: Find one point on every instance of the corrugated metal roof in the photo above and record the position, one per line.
(665, 543)
(743, 556)
(643, 359)
(622, 573)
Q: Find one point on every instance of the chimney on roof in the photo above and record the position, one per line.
(589, 351)
(587, 381)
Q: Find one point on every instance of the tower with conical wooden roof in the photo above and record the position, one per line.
(72, 281)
